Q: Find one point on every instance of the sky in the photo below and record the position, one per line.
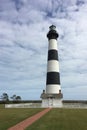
(24, 25)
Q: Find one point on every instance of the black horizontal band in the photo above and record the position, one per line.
(53, 78)
(52, 55)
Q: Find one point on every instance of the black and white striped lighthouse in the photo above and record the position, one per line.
(52, 96)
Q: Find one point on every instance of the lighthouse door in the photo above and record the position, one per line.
(50, 102)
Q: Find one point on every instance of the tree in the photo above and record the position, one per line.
(5, 97)
(16, 98)
(13, 97)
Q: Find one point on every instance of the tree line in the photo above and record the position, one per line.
(5, 98)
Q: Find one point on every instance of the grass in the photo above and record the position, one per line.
(2, 106)
(56, 119)
(62, 119)
(11, 116)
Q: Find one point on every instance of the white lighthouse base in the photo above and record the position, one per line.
(50, 102)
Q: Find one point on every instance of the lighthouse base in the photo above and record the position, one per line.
(52, 103)
(52, 100)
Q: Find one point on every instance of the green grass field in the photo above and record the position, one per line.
(56, 119)
(62, 119)
(10, 116)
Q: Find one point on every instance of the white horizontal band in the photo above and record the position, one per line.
(53, 89)
(53, 65)
(52, 44)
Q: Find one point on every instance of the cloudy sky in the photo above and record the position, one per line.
(23, 46)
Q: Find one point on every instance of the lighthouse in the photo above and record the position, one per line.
(52, 96)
